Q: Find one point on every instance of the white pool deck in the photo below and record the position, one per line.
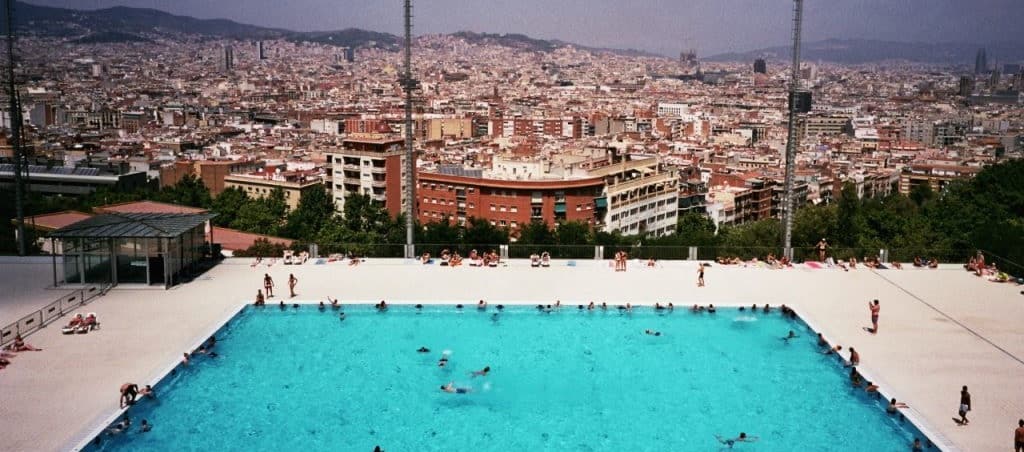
(940, 329)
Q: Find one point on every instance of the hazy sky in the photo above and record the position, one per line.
(664, 26)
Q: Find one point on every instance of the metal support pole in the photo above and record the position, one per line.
(791, 140)
(410, 153)
(53, 254)
(15, 117)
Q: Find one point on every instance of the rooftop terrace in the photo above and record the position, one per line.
(940, 329)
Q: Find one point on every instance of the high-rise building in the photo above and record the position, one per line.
(260, 50)
(966, 85)
(228, 61)
(981, 62)
(350, 54)
(995, 78)
(760, 66)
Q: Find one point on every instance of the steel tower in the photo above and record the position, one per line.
(791, 140)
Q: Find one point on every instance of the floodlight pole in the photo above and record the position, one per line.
(410, 153)
(15, 118)
(791, 139)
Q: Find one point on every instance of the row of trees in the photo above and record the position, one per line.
(986, 212)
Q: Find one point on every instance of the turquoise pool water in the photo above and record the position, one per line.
(301, 379)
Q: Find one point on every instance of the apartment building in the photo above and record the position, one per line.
(458, 195)
(261, 184)
(371, 164)
(639, 196)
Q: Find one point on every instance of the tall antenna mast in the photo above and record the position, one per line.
(791, 140)
(410, 154)
(15, 118)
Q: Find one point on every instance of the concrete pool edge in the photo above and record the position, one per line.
(932, 434)
(84, 438)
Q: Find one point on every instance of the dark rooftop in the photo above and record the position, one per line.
(133, 225)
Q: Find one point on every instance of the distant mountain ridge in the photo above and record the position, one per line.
(122, 24)
(859, 51)
(521, 41)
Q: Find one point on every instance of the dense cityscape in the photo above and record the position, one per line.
(271, 237)
(504, 134)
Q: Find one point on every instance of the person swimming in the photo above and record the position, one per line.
(481, 373)
(443, 362)
(451, 389)
(789, 336)
(322, 307)
(652, 333)
(423, 350)
(743, 438)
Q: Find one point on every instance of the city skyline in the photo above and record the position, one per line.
(705, 25)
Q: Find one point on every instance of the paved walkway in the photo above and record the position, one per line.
(940, 329)
(25, 287)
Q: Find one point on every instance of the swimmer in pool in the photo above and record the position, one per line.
(590, 307)
(743, 438)
(443, 361)
(652, 333)
(481, 373)
(423, 350)
(451, 389)
(789, 336)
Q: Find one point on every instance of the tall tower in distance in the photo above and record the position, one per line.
(981, 62)
(228, 61)
(760, 66)
(260, 50)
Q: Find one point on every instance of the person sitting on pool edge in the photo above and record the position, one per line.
(743, 438)
(481, 373)
(451, 389)
(894, 406)
(481, 305)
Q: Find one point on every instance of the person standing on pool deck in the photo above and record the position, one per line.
(292, 281)
(1018, 437)
(700, 274)
(965, 405)
(268, 284)
(874, 315)
(822, 246)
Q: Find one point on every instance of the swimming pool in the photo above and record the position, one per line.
(301, 379)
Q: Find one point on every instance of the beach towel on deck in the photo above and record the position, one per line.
(813, 264)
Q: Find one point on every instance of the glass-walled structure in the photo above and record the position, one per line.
(132, 248)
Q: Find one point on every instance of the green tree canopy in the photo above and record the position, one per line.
(315, 209)
(227, 204)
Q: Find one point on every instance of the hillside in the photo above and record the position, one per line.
(120, 24)
(859, 51)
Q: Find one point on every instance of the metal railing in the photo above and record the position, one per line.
(58, 308)
(905, 255)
